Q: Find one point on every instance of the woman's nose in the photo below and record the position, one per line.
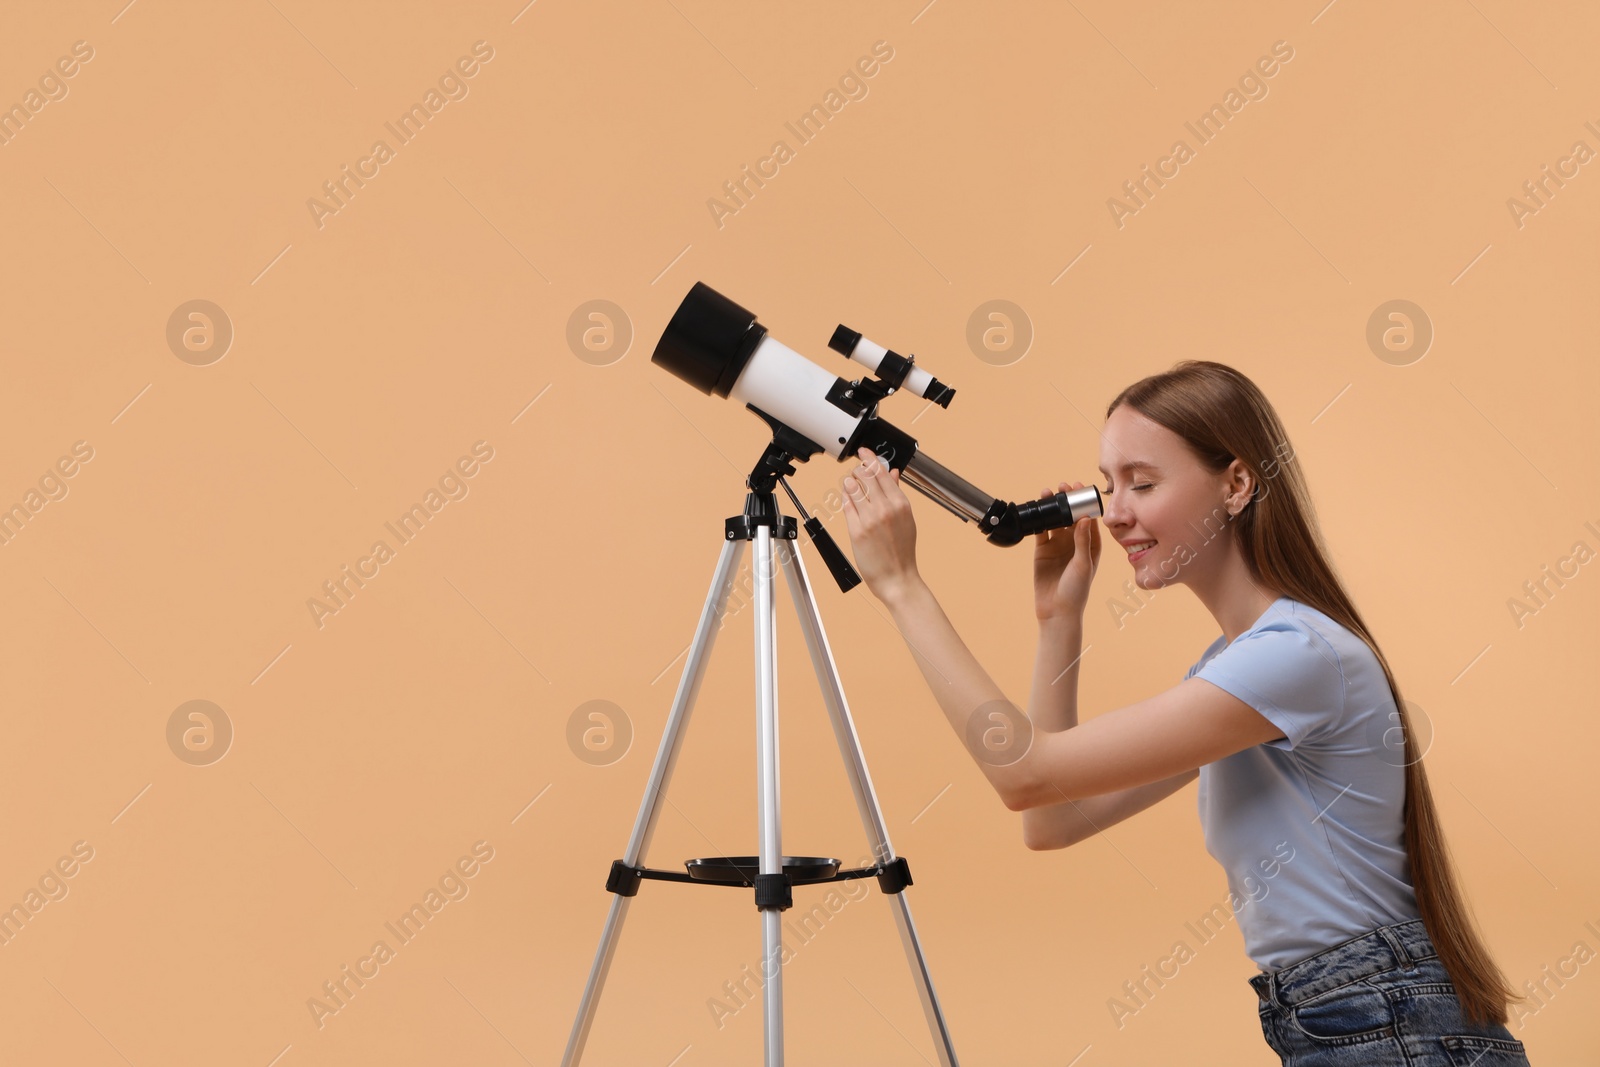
(1115, 509)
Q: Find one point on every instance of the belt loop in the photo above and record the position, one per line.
(1402, 956)
(1273, 990)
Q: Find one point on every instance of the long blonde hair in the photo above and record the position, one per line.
(1223, 416)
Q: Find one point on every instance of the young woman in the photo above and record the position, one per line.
(1291, 719)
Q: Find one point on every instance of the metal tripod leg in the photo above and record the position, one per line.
(785, 554)
(844, 731)
(769, 830)
(644, 826)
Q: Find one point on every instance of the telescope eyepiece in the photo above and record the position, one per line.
(1010, 523)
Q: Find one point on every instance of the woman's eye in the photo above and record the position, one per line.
(1146, 485)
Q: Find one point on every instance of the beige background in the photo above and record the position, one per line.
(432, 311)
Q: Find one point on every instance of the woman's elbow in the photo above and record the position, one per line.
(1033, 792)
(1044, 840)
(1040, 833)
(1036, 842)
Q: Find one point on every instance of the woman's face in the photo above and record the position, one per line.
(1156, 490)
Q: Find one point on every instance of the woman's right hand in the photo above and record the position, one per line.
(1064, 563)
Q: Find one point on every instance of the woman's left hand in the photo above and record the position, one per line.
(883, 532)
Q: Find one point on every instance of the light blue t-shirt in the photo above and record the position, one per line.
(1329, 794)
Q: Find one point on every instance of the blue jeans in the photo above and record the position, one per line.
(1381, 998)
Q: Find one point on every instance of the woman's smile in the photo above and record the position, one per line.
(1135, 552)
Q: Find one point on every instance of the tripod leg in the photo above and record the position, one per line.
(644, 826)
(855, 763)
(769, 831)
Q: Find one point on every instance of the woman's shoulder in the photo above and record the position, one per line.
(1290, 622)
(1322, 646)
(1329, 632)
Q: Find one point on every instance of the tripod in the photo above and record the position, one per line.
(771, 873)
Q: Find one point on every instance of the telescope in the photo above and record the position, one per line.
(719, 348)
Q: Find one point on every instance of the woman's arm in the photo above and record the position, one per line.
(1181, 729)
(1065, 824)
(966, 694)
(1054, 707)
(1178, 730)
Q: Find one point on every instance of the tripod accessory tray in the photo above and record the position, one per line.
(772, 890)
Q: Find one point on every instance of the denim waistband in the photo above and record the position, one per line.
(1396, 945)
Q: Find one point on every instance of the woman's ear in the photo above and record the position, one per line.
(1240, 488)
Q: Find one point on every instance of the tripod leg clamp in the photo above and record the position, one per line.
(773, 891)
(623, 879)
(895, 876)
